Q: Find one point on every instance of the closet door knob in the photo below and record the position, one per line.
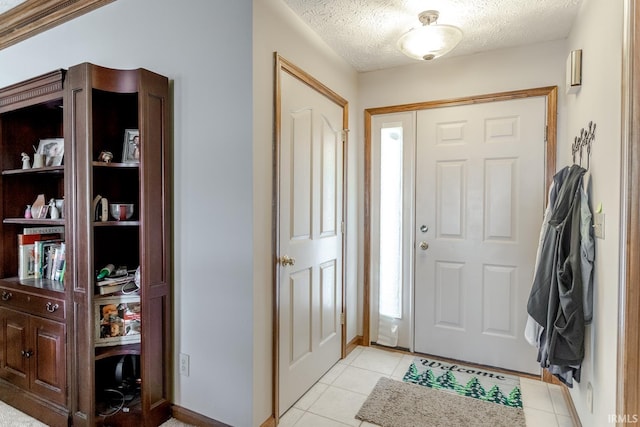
(287, 260)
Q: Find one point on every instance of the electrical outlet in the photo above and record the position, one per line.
(184, 364)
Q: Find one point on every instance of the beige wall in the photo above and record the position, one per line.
(599, 100)
(277, 29)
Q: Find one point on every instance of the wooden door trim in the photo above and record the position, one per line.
(283, 65)
(628, 371)
(551, 94)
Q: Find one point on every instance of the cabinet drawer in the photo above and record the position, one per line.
(52, 308)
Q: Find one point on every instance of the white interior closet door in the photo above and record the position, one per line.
(310, 236)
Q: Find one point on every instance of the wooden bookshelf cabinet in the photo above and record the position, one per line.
(53, 363)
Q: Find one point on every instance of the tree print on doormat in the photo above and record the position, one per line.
(481, 384)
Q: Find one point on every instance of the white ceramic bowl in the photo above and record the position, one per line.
(121, 211)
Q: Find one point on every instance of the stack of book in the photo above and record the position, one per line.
(41, 253)
(112, 285)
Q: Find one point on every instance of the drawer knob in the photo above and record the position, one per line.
(52, 307)
(6, 296)
(27, 353)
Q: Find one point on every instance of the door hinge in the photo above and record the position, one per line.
(546, 132)
(344, 133)
(342, 227)
(342, 318)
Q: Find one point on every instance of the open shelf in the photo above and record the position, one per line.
(34, 222)
(116, 223)
(117, 350)
(116, 165)
(48, 169)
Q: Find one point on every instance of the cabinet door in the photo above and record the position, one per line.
(48, 361)
(14, 345)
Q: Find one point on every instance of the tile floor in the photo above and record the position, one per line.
(336, 398)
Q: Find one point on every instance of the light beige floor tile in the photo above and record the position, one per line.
(291, 417)
(535, 394)
(377, 360)
(538, 418)
(403, 367)
(339, 405)
(558, 400)
(314, 420)
(564, 421)
(366, 424)
(311, 396)
(333, 373)
(358, 380)
(351, 356)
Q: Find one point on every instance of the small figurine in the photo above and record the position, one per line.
(53, 210)
(105, 156)
(26, 162)
(27, 212)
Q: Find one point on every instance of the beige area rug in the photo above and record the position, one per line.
(398, 404)
(11, 417)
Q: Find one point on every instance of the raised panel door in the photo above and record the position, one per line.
(48, 362)
(14, 345)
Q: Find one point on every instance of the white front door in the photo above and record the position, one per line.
(310, 235)
(479, 206)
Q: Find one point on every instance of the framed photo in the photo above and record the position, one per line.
(118, 320)
(53, 151)
(131, 146)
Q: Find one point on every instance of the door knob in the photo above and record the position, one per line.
(424, 245)
(286, 260)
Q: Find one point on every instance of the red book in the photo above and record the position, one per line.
(27, 239)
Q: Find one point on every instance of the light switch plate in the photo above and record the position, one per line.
(598, 225)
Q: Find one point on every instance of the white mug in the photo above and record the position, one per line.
(38, 160)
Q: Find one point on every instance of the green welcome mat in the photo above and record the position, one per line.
(467, 381)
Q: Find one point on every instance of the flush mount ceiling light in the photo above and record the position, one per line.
(430, 41)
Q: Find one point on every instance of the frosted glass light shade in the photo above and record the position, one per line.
(429, 41)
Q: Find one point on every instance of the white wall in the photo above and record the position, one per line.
(205, 48)
(278, 29)
(599, 100)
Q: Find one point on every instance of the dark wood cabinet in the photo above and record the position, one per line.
(33, 354)
(55, 363)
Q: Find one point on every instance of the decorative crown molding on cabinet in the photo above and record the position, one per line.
(35, 16)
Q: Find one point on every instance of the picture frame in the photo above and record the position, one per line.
(117, 320)
(131, 146)
(53, 151)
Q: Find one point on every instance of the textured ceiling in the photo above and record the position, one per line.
(365, 32)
